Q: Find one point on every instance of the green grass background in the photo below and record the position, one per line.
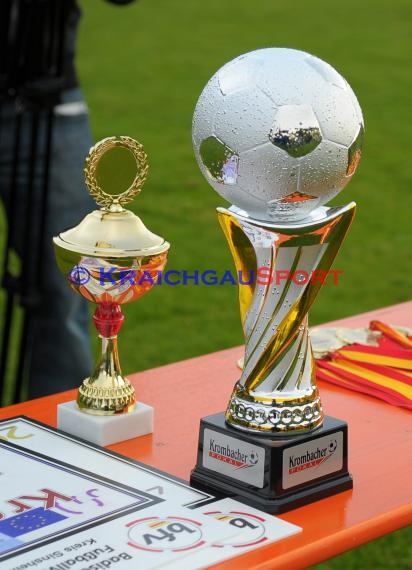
(142, 68)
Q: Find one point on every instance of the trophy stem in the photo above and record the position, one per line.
(106, 391)
(277, 393)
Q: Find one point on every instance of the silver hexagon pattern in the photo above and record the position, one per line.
(220, 160)
(296, 130)
(355, 152)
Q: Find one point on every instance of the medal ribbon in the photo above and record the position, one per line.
(384, 371)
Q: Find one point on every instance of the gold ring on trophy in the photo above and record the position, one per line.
(132, 174)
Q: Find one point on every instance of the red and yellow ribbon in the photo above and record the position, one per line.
(384, 371)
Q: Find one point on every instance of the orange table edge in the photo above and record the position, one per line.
(380, 450)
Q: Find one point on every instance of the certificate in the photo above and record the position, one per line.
(43, 499)
(66, 504)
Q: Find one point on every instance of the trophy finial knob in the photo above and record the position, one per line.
(115, 171)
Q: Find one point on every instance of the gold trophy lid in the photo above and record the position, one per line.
(113, 164)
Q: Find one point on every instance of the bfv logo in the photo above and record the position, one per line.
(252, 527)
(158, 534)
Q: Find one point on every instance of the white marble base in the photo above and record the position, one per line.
(105, 430)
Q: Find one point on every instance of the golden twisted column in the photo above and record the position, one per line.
(277, 391)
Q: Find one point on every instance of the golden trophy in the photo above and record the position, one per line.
(278, 133)
(110, 258)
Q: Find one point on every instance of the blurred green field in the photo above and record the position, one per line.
(142, 68)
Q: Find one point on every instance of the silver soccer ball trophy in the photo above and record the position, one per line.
(278, 133)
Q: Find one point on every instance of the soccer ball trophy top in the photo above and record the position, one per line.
(277, 133)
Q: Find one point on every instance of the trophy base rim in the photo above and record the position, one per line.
(279, 418)
(272, 474)
(101, 401)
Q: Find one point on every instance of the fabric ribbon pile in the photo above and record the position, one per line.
(376, 361)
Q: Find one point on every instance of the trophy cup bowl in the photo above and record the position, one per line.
(110, 258)
(277, 133)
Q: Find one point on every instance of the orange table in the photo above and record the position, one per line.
(380, 450)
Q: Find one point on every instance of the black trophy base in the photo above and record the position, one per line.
(273, 474)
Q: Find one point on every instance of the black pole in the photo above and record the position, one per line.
(10, 283)
(28, 296)
(31, 72)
